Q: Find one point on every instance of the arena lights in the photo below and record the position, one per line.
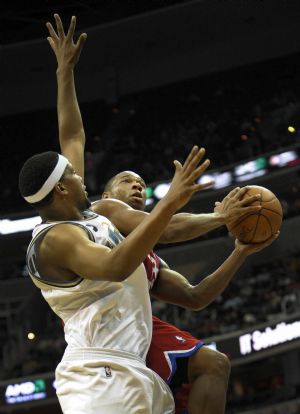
(250, 176)
(161, 190)
(149, 201)
(242, 172)
(250, 167)
(222, 179)
(8, 226)
(31, 336)
(291, 129)
(149, 192)
(283, 159)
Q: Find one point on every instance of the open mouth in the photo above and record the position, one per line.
(137, 195)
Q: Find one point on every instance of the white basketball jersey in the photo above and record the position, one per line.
(98, 314)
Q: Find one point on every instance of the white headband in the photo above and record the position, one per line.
(49, 184)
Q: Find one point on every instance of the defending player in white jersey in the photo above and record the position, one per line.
(98, 285)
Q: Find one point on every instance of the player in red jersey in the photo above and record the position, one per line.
(197, 375)
(205, 370)
(171, 349)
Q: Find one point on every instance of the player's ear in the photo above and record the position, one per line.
(60, 188)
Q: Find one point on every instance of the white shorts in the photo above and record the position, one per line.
(92, 381)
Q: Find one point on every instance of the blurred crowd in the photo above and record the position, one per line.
(267, 392)
(269, 291)
(234, 114)
(13, 270)
(36, 345)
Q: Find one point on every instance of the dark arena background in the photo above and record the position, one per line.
(156, 77)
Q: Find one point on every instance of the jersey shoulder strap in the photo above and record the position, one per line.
(31, 257)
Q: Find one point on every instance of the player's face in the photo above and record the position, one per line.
(130, 188)
(76, 188)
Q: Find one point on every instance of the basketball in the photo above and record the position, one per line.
(260, 226)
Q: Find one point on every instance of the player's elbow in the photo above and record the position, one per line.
(196, 302)
(116, 273)
(169, 236)
(192, 306)
(175, 234)
(120, 268)
(107, 270)
(111, 275)
(195, 306)
(200, 304)
(119, 275)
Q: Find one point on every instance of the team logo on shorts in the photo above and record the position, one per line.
(107, 371)
(179, 338)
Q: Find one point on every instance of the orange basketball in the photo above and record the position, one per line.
(260, 226)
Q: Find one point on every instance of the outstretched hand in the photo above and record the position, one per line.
(66, 51)
(234, 205)
(184, 185)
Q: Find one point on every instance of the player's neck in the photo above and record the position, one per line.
(62, 214)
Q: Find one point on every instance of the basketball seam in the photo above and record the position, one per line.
(273, 211)
(269, 222)
(242, 219)
(253, 235)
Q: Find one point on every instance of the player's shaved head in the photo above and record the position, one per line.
(128, 187)
(110, 183)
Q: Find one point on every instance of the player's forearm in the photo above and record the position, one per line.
(185, 226)
(213, 285)
(69, 116)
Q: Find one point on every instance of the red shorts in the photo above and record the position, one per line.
(168, 344)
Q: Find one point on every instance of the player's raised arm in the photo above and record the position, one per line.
(71, 131)
(183, 226)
